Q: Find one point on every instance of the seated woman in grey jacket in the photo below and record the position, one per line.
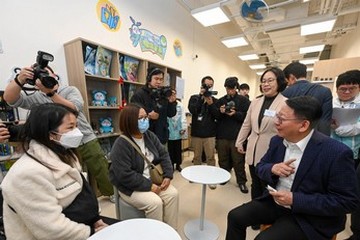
(45, 194)
(129, 172)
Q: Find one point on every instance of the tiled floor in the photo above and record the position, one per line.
(218, 203)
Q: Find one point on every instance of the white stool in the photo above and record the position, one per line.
(124, 210)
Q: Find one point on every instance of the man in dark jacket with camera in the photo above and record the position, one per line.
(203, 124)
(155, 99)
(232, 108)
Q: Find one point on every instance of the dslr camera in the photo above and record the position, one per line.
(229, 105)
(41, 73)
(208, 93)
(14, 130)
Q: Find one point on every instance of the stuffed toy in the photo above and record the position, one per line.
(99, 98)
(112, 101)
(106, 125)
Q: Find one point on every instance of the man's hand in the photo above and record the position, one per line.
(283, 169)
(44, 89)
(25, 73)
(334, 124)
(283, 198)
(209, 100)
(241, 150)
(153, 115)
(155, 189)
(232, 112)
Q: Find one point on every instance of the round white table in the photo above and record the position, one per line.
(199, 229)
(137, 229)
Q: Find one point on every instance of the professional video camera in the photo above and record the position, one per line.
(208, 93)
(161, 93)
(230, 105)
(41, 73)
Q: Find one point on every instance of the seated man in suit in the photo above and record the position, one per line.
(313, 178)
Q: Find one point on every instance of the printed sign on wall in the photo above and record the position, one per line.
(148, 41)
(177, 48)
(108, 15)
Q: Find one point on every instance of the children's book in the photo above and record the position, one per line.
(103, 62)
(129, 68)
(89, 61)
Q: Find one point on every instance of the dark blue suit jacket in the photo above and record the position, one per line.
(325, 187)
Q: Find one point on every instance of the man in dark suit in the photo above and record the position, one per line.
(312, 176)
(295, 74)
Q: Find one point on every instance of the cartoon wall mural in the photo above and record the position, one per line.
(108, 15)
(177, 48)
(148, 41)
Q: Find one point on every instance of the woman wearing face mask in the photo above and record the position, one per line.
(45, 194)
(129, 172)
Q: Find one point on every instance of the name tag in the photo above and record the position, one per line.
(269, 113)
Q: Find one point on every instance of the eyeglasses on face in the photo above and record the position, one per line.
(281, 119)
(345, 89)
(268, 81)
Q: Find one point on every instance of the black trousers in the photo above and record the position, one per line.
(355, 216)
(264, 211)
(174, 148)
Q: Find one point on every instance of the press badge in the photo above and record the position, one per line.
(200, 117)
(269, 113)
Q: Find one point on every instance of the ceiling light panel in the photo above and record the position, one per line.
(310, 49)
(318, 27)
(234, 42)
(210, 15)
(248, 57)
(309, 61)
(257, 66)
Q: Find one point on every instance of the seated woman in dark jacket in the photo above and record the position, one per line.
(129, 172)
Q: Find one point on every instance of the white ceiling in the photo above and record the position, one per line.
(277, 38)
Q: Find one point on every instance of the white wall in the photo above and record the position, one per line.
(32, 25)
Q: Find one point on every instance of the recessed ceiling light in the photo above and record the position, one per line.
(310, 49)
(259, 73)
(248, 57)
(309, 61)
(310, 69)
(257, 66)
(234, 42)
(210, 15)
(318, 27)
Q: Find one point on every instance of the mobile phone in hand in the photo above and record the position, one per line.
(270, 188)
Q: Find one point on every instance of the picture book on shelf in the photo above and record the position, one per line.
(129, 68)
(103, 62)
(89, 61)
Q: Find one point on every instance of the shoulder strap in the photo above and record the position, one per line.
(137, 149)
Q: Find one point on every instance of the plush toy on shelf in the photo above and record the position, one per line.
(106, 125)
(99, 98)
(112, 101)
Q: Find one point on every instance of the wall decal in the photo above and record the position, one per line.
(148, 41)
(178, 48)
(108, 15)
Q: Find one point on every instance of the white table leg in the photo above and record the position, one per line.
(202, 213)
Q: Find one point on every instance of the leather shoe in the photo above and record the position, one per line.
(243, 188)
(178, 168)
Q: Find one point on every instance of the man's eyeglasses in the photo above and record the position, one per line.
(281, 119)
(344, 89)
(160, 79)
(269, 80)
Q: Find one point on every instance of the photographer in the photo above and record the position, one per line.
(90, 151)
(203, 122)
(232, 108)
(157, 103)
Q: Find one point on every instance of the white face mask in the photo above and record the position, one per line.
(71, 139)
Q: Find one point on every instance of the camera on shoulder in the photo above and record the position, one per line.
(208, 92)
(42, 61)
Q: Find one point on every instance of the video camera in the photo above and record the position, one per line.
(208, 93)
(230, 105)
(41, 73)
(161, 93)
